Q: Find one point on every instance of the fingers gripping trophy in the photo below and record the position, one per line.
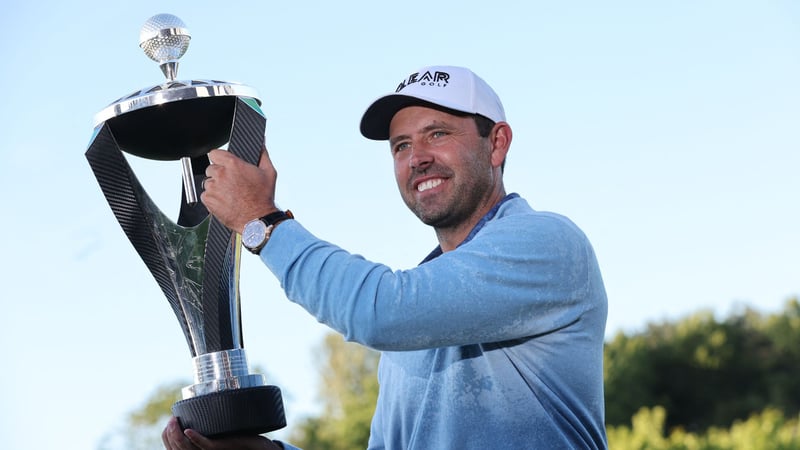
(196, 260)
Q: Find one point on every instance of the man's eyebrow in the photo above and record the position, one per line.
(436, 124)
(397, 139)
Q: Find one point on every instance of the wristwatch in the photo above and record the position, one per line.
(256, 233)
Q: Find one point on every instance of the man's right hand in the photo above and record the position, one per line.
(176, 439)
(237, 192)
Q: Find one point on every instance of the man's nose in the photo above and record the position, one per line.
(421, 156)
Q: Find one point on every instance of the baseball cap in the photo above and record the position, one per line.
(455, 88)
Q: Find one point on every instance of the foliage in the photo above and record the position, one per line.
(349, 392)
(704, 372)
(142, 428)
(768, 430)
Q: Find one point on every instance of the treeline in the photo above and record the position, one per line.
(706, 372)
(768, 430)
(707, 384)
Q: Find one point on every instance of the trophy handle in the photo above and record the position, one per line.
(195, 262)
(124, 194)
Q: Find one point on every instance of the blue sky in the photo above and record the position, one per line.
(667, 130)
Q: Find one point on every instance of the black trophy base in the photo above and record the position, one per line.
(253, 411)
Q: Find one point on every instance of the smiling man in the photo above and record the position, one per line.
(448, 175)
(496, 339)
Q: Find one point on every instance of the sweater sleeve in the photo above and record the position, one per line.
(521, 275)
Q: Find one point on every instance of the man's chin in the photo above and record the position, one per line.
(434, 219)
(430, 214)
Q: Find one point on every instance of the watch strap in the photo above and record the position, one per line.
(276, 217)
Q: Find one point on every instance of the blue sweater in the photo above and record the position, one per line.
(496, 344)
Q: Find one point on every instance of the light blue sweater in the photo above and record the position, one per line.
(497, 344)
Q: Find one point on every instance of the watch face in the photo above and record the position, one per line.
(254, 233)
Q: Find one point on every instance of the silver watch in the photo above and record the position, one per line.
(256, 233)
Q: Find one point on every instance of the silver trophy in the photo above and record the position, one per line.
(196, 260)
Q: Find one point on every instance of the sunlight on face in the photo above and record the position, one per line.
(442, 166)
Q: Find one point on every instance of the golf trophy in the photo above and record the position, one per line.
(196, 260)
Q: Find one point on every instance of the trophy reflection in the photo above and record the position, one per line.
(196, 260)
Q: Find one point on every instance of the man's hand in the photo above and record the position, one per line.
(236, 192)
(175, 439)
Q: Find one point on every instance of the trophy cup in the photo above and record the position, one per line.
(196, 260)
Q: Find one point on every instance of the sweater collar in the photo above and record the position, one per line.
(486, 218)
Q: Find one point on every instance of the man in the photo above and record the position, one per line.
(496, 339)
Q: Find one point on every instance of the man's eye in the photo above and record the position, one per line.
(400, 147)
(438, 134)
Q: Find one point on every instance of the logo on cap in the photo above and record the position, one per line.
(436, 78)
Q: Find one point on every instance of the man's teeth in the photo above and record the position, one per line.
(430, 184)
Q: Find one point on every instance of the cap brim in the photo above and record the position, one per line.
(376, 119)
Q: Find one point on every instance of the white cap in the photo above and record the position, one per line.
(455, 88)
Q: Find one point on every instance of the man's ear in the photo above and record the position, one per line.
(500, 139)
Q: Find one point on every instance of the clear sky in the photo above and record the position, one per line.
(669, 131)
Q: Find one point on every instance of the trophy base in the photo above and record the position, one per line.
(253, 410)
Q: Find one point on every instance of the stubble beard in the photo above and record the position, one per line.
(467, 194)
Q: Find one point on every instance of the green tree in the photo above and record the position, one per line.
(782, 378)
(349, 391)
(768, 430)
(706, 372)
(142, 427)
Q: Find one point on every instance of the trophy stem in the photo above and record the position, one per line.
(188, 180)
(170, 70)
(221, 371)
(226, 400)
